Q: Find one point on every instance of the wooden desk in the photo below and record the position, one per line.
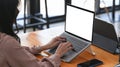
(45, 36)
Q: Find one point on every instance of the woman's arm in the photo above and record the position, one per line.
(19, 57)
(37, 47)
(34, 49)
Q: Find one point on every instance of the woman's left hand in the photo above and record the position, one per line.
(55, 42)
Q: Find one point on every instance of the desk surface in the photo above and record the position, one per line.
(109, 60)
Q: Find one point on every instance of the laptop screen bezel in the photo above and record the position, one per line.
(67, 4)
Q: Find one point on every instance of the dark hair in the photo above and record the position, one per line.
(8, 10)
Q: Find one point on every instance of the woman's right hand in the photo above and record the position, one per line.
(63, 48)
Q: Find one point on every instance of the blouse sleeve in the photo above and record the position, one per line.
(19, 57)
(33, 50)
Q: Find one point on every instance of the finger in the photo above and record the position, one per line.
(68, 44)
(57, 43)
(67, 49)
(70, 48)
(65, 46)
(61, 38)
(61, 46)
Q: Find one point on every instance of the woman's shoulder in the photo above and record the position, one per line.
(4, 36)
(6, 40)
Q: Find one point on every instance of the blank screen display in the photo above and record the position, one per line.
(79, 22)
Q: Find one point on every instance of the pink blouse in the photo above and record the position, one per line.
(13, 55)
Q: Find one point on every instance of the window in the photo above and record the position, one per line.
(107, 3)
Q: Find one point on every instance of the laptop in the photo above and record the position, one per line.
(104, 35)
(78, 30)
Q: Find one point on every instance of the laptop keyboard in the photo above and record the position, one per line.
(78, 45)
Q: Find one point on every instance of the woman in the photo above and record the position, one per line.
(12, 54)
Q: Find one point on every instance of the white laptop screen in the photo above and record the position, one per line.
(79, 22)
(87, 4)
